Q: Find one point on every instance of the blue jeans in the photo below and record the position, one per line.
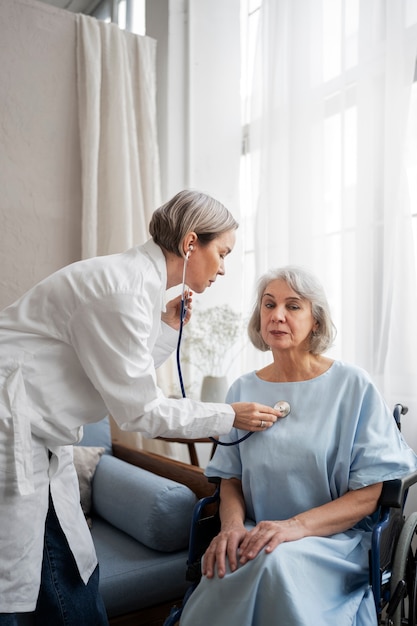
(64, 599)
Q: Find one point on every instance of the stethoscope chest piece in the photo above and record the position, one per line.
(283, 407)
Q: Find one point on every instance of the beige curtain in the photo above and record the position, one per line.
(119, 152)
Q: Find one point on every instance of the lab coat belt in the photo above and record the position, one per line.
(22, 435)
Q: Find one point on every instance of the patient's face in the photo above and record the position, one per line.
(286, 318)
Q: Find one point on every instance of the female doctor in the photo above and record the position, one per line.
(82, 343)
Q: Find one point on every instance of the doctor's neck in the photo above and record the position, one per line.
(175, 268)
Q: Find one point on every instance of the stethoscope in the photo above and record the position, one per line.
(282, 405)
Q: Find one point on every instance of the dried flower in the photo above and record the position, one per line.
(209, 338)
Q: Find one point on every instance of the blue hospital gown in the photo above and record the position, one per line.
(339, 436)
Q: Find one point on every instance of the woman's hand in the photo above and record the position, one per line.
(173, 311)
(253, 416)
(225, 544)
(328, 519)
(236, 542)
(240, 545)
(268, 535)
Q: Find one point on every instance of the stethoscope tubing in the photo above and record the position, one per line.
(183, 313)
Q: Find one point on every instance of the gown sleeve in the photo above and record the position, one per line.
(379, 450)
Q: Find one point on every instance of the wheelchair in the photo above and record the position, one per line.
(392, 558)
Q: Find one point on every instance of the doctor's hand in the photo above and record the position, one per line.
(173, 311)
(254, 416)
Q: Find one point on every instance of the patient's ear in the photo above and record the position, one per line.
(316, 328)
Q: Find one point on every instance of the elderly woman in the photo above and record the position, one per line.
(297, 501)
(83, 342)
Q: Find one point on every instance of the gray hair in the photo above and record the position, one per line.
(189, 211)
(308, 288)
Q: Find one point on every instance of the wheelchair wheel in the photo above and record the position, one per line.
(404, 575)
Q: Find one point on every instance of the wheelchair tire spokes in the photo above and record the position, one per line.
(409, 608)
(412, 589)
(396, 603)
(403, 578)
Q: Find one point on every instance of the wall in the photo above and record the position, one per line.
(215, 132)
(198, 119)
(40, 203)
(198, 100)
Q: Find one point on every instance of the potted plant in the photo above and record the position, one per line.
(208, 347)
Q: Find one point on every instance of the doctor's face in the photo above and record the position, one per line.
(207, 261)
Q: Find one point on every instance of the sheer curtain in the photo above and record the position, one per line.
(330, 111)
(119, 150)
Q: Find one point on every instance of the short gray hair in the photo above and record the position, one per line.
(308, 288)
(189, 211)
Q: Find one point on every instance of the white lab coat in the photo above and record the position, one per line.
(82, 343)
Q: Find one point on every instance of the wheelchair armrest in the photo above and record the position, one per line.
(393, 491)
(205, 525)
(214, 479)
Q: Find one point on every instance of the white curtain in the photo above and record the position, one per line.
(329, 120)
(119, 150)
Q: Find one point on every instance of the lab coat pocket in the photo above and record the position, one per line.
(21, 432)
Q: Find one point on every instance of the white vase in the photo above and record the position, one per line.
(214, 389)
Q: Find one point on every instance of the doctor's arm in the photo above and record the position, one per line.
(110, 337)
(170, 323)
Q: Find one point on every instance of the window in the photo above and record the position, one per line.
(249, 28)
(128, 14)
(412, 160)
(337, 226)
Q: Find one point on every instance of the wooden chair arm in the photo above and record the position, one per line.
(189, 475)
(190, 443)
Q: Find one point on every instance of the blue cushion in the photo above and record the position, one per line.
(98, 434)
(133, 576)
(154, 510)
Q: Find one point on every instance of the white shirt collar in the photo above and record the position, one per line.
(154, 252)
